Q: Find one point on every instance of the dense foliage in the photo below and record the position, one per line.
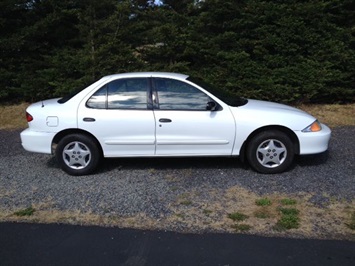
(279, 50)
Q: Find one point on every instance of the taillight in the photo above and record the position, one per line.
(29, 117)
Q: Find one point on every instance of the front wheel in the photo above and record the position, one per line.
(270, 152)
(77, 154)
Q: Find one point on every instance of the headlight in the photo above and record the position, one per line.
(314, 127)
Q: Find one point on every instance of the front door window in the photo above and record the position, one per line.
(178, 95)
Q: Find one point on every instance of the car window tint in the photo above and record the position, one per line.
(121, 94)
(178, 95)
(127, 94)
(98, 99)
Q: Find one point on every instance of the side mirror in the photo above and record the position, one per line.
(212, 106)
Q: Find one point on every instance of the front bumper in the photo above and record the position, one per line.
(314, 142)
(34, 141)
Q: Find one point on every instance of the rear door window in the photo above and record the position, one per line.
(121, 94)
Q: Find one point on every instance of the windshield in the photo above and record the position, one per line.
(226, 96)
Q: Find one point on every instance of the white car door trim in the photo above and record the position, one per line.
(192, 142)
(130, 142)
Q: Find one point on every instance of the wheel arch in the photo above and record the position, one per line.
(67, 132)
(287, 131)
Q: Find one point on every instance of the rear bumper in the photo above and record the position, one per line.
(314, 142)
(34, 141)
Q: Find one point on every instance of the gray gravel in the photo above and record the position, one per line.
(127, 187)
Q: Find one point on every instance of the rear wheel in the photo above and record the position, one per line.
(270, 152)
(77, 154)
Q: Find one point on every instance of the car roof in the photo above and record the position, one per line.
(147, 74)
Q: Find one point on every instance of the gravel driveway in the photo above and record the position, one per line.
(152, 187)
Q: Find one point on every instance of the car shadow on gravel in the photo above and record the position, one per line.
(109, 164)
(199, 163)
(312, 160)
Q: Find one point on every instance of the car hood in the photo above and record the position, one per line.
(271, 106)
(263, 113)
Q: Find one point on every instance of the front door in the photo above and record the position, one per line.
(184, 126)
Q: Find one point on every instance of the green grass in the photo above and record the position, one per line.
(241, 227)
(289, 211)
(289, 219)
(25, 212)
(263, 202)
(351, 224)
(237, 216)
(288, 201)
(262, 214)
(288, 222)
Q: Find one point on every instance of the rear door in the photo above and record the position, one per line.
(185, 126)
(119, 115)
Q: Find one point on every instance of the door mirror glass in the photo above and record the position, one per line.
(212, 106)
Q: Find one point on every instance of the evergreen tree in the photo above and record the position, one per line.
(284, 50)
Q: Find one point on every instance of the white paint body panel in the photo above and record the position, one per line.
(35, 141)
(195, 133)
(124, 133)
(121, 132)
(316, 142)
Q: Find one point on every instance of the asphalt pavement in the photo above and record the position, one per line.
(57, 244)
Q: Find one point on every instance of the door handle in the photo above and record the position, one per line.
(165, 120)
(88, 119)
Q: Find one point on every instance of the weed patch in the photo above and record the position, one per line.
(351, 224)
(289, 219)
(287, 222)
(263, 202)
(289, 211)
(288, 201)
(262, 214)
(237, 216)
(241, 227)
(25, 212)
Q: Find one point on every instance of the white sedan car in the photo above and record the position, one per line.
(167, 114)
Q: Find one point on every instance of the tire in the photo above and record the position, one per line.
(270, 152)
(78, 154)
